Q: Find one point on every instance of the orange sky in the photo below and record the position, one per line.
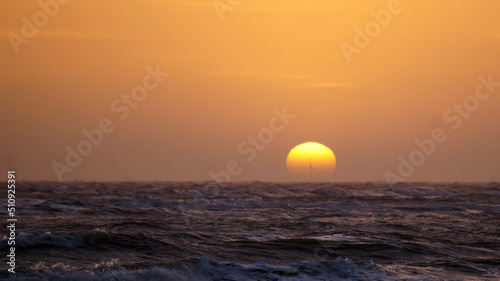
(227, 75)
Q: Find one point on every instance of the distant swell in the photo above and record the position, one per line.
(40, 238)
(207, 269)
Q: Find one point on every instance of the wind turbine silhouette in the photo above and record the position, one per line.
(114, 165)
(120, 168)
(9, 161)
(161, 167)
(3, 165)
(310, 168)
(266, 168)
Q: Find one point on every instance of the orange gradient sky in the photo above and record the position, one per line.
(226, 77)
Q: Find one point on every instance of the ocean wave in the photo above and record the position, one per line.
(259, 237)
(39, 238)
(206, 269)
(85, 198)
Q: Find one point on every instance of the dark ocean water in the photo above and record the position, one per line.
(255, 231)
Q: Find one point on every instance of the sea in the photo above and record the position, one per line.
(254, 231)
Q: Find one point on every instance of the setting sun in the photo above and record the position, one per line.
(205, 134)
(311, 159)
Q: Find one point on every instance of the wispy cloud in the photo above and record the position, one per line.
(257, 75)
(263, 6)
(294, 80)
(84, 35)
(325, 85)
(190, 3)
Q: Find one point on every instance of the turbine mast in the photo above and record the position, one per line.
(310, 169)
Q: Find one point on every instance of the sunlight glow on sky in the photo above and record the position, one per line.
(226, 76)
(311, 158)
